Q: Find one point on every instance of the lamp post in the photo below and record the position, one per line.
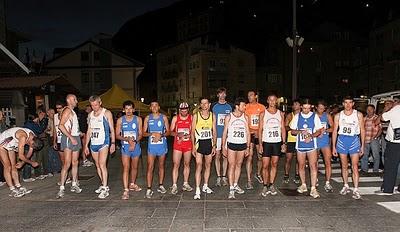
(142, 100)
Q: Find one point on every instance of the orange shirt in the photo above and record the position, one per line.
(253, 111)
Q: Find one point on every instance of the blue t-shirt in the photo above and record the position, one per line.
(221, 111)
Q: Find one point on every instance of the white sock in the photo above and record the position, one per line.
(74, 183)
(12, 188)
(346, 185)
(231, 187)
(62, 187)
(327, 182)
(18, 185)
(205, 185)
(235, 184)
(174, 185)
(185, 183)
(312, 188)
(197, 190)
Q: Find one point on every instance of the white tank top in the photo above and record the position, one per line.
(348, 124)
(237, 130)
(8, 139)
(272, 131)
(96, 125)
(72, 124)
(58, 131)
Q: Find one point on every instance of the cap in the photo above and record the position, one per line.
(184, 105)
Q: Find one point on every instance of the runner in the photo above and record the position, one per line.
(13, 141)
(204, 138)
(236, 136)
(253, 111)
(100, 131)
(324, 143)
(307, 126)
(129, 131)
(272, 134)
(291, 145)
(156, 127)
(220, 109)
(181, 129)
(350, 124)
(70, 144)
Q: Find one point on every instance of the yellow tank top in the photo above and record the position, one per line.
(290, 137)
(204, 127)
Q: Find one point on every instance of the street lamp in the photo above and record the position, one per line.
(142, 100)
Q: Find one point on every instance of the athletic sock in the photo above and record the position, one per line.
(18, 185)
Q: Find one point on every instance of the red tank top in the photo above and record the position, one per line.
(183, 128)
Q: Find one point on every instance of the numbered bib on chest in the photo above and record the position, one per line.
(254, 120)
(396, 134)
(221, 119)
(273, 132)
(129, 134)
(303, 137)
(205, 134)
(154, 142)
(59, 134)
(97, 137)
(348, 129)
(184, 132)
(325, 126)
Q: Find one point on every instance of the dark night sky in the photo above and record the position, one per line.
(66, 23)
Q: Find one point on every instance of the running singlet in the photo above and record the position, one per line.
(272, 131)
(237, 130)
(307, 124)
(99, 127)
(291, 138)
(204, 127)
(156, 125)
(183, 128)
(348, 124)
(72, 124)
(129, 129)
(253, 111)
(220, 111)
(58, 131)
(8, 139)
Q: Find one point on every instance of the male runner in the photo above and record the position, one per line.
(307, 127)
(100, 132)
(291, 145)
(272, 134)
(220, 109)
(13, 141)
(70, 144)
(236, 136)
(181, 129)
(156, 127)
(253, 111)
(129, 131)
(324, 142)
(350, 124)
(204, 138)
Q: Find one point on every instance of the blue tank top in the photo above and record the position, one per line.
(156, 125)
(324, 140)
(129, 129)
(306, 124)
(221, 111)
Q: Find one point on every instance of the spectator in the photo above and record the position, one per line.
(372, 134)
(384, 125)
(54, 162)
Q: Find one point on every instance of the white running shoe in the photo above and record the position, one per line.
(231, 194)
(24, 190)
(207, 189)
(314, 193)
(186, 187)
(149, 193)
(104, 192)
(98, 191)
(161, 189)
(265, 191)
(60, 193)
(345, 190)
(356, 194)
(196, 196)
(28, 180)
(224, 181)
(302, 188)
(76, 189)
(238, 190)
(174, 189)
(15, 193)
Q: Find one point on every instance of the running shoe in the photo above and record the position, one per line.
(28, 180)
(302, 188)
(314, 193)
(174, 189)
(2, 183)
(328, 187)
(104, 192)
(75, 189)
(24, 190)
(272, 190)
(15, 193)
(134, 187)
(296, 179)
(186, 187)
(60, 193)
(231, 194)
(149, 193)
(224, 181)
(238, 190)
(258, 178)
(196, 196)
(249, 185)
(265, 191)
(68, 181)
(87, 163)
(161, 189)
(207, 189)
(98, 191)
(125, 195)
(50, 174)
(345, 190)
(356, 194)
(218, 182)
(286, 179)
(41, 177)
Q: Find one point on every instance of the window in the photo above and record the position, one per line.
(84, 56)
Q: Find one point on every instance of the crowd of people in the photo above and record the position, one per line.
(229, 134)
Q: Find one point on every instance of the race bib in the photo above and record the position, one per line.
(205, 134)
(152, 141)
(303, 137)
(221, 119)
(59, 134)
(348, 130)
(325, 126)
(254, 120)
(273, 132)
(96, 137)
(238, 134)
(130, 134)
(396, 134)
(184, 132)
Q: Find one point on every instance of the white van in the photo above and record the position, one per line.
(379, 99)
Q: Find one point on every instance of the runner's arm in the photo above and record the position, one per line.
(22, 137)
(261, 128)
(64, 117)
(335, 131)
(362, 130)
(172, 130)
(54, 133)
(145, 133)
(330, 123)
(214, 131)
(192, 134)
(111, 125)
(287, 121)
(283, 128)
(167, 128)
(225, 131)
(248, 139)
(118, 134)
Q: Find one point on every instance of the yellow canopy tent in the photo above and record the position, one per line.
(113, 98)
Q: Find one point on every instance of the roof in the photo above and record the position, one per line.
(27, 81)
(133, 61)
